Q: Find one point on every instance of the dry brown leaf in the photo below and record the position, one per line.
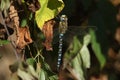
(115, 2)
(13, 14)
(118, 17)
(68, 73)
(34, 5)
(48, 32)
(23, 38)
(111, 53)
(117, 35)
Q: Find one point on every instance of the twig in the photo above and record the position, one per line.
(13, 44)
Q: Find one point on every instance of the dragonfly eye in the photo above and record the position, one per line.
(63, 18)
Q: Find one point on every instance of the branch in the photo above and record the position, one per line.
(5, 26)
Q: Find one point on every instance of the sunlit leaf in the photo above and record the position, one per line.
(97, 49)
(4, 4)
(78, 67)
(24, 75)
(85, 55)
(23, 70)
(86, 39)
(42, 75)
(32, 71)
(81, 60)
(72, 51)
(49, 9)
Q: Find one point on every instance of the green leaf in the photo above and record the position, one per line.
(78, 56)
(48, 72)
(23, 1)
(72, 51)
(78, 67)
(4, 4)
(30, 16)
(86, 39)
(44, 71)
(85, 55)
(23, 22)
(24, 75)
(4, 42)
(54, 77)
(97, 49)
(24, 71)
(49, 9)
(42, 75)
(30, 61)
(81, 60)
(32, 71)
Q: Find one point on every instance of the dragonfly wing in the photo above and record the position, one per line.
(71, 32)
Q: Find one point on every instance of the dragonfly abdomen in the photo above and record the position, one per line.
(62, 29)
(60, 50)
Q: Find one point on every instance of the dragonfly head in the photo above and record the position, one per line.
(63, 18)
(63, 24)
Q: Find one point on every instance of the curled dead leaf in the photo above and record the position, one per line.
(48, 32)
(13, 14)
(23, 37)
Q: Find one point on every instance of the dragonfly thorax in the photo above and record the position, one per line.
(63, 24)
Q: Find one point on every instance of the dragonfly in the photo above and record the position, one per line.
(65, 33)
(62, 29)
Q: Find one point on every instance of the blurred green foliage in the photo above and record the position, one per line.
(101, 14)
